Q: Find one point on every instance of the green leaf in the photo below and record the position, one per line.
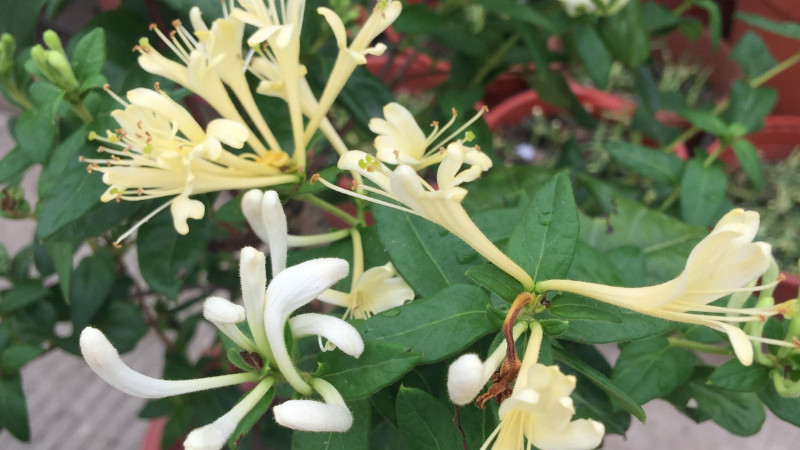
(714, 20)
(493, 278)
(749, 106)
(89, 56)
(165, 256)
(788, 29)
(702, 193)
(73, 196)
(14, 163)
(661, 167)
(13, 411)
(741, 413)
(658, 18)
(92, 283)
(381, 364)
(35, 132)
(356, 438)
(22, 295)
(788, 409)
(438, 326)
(61, 253)
(16, 356)
(752, 55)
(601, 381)
(364, 96)
(251, 418)
(425, 422)
(424, 253)
(593, 53)
(735, 377)
(626, 35)
(707, 121)
(747, 155)
(5, 260)
(651, 368)
(574, 307)
(122, 323)
(544, 241)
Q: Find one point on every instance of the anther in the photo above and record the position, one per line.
(152, 26)
(176, 23)
(119, 198)
(455, 113)
(314, 178)
(157, 86)
(106, 87)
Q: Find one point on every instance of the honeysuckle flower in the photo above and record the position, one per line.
(280, 28)
(211, 59)
(467, 375)
(400, 140)
(161, 151)
(724, 262)
(410, 193)
(540, 409)
(374, 291)
(349, 57)
(267, 309)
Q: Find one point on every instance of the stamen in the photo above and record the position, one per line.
(107, 88)
(364, 197)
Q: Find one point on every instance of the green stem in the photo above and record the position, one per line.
(773, 72)
(80, 110)
(676, 194)
(705, 348)
(494, 60)
(329, 208)
(18, 95)
(683, 7)
(723, 144)
(358, 257)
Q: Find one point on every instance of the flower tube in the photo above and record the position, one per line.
(723, 263)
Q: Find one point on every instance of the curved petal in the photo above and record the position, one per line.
(741, 344)
(277, 230)
(450, 165)
(340, 333)
(220, 310)
(229, 132)
(251, 208)
(104, 360)
(311, 415)
(162, 104)
(577, 435)
(336, 24)
(464, 379)
(183, 208)
(359, 161)
(253, 276)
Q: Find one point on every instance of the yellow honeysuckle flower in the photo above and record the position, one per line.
(724, 262)
(441, 206)
(400, 140)
(376, 290)
(161, 151)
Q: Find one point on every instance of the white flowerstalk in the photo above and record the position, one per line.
(441, 206)
(214, 435)
(376, 290)
(207, 64)
(280, 29)
(724, 262)
(225, 315)
(467, 375)
(315, 416)
(351, 56)
(104, 360)
(161, 151)
(400, 140)
(338, 332)
(288, 291)
(540, 409)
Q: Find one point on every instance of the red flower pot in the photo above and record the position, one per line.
(154, 434)
(780, 47)
(774, 142)
(787, 289)
(409, 71)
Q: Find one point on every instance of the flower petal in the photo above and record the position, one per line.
(184, 208)
(741, 344)
(340, 333)
(277, 231)
(336, 24)
(311, 415)
(253, 275)
(220, 310)
(251, 208)
(229, 132)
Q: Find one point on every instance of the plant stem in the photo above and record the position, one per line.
(329, 208)
(683, 7)
(773, 72)
(705, 348)
(358, 257)
(80, 110)
(676, 194)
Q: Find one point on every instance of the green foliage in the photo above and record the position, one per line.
(702, 193)
(425, 422)
(651, 368)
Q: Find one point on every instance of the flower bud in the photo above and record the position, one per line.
(464, 379)
(7, 49)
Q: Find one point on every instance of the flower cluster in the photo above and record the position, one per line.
(267, 310)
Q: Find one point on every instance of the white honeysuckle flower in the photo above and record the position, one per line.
(441, 206)
(265, 216)
(280, 28)
(400, 140)
(376, 290)
(214, 435)
(338, 332)
(540, 409)
(104, 360)
(289, 290)
(467, 375)
(724, 262)
(225, 315)
(210, 59)
(315, 416)
(349, 57)
(161, 151)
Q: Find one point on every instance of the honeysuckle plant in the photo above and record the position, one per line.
(420, 263)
